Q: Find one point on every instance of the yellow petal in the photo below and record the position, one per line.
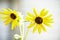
(31, 25)
(31, 15)
(43, 12)
(18, 21)
(4, 18)
(48, 21)
(43, 27)
(29, 19)
(35, 28)
(15, 12)
(48, 24)
(14, 24)
(1, 12)
(5, 11)
(48, 17)
(8, 21)
(39, 29)
(35, 12)
(9, 9)
(18, 24)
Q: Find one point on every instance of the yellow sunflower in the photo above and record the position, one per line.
(10, 16)
(38, 20)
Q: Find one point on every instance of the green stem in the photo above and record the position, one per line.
(21, 30)
(26, 34)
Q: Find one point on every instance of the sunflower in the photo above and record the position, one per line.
(10, 16)
(38, 21)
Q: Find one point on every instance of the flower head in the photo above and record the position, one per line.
(11, 17)
(38, 20)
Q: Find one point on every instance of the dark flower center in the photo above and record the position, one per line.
(38, 20)
(13, 16)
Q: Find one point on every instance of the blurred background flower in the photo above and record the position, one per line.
(5, 32)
